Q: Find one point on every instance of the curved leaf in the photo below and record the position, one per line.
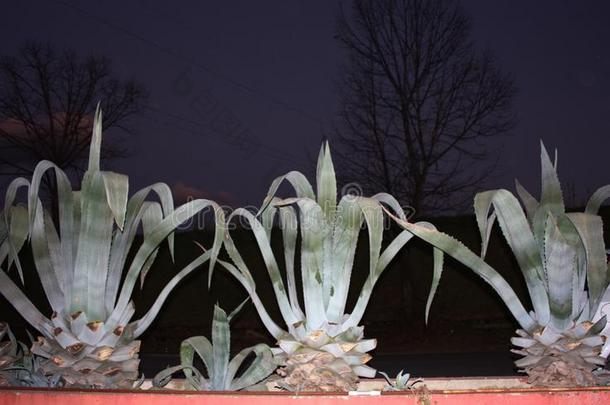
(64, 195)
(9, 200)
(117, 191)
(436, 278)
(373, 217)
(44, 264)
(299, 182)
(245, 279)
(529, 202)
(269, 258)
(19, 301)
(17, 235)
(202, 346)
(160, 232)
(122, 241)
(465, 256)
(520, 238)
(391, 202)
(151, 217)
(142, 324)
(590, 230)
(597, 199)
(261, 367)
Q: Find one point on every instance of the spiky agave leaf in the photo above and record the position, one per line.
(563, 260)
(322, 346)
(90, 339)
(603, 309)
(220, 369)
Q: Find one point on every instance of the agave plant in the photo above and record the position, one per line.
(215, 356)
(80, 253)
(323, 346)
(9, 354)
(29, 372)
(563, 260)
(18, 366)
(402, 382)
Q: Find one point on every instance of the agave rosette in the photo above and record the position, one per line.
(323, 346)
(89, 339)
(563, 260)
(402, 381)
(221, 370)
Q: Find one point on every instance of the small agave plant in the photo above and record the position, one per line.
(402, 382)
(563, 260)
(323, 347)
(215, 356)
(9, 354)
(18, 366)
(80, 257)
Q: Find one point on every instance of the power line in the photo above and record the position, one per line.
(192, 62)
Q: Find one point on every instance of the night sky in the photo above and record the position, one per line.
(266, 71)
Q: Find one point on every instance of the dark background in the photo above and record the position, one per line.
(269, 69)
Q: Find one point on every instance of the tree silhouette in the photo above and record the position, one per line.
(418, 103)
(47, 100)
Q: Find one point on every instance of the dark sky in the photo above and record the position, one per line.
(267, 70)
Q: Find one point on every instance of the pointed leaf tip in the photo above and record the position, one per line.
(96, 140)
(117, 193)
(210, 269)
(237, 309)
(326, 182)
(551, 195)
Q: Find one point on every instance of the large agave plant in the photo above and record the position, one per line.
(563, 261)
(323, 346)
(222, 373)
(80, 257)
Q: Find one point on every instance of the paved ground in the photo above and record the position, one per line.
(420, 365)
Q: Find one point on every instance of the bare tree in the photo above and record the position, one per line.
(47, 100)
(418, 102)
